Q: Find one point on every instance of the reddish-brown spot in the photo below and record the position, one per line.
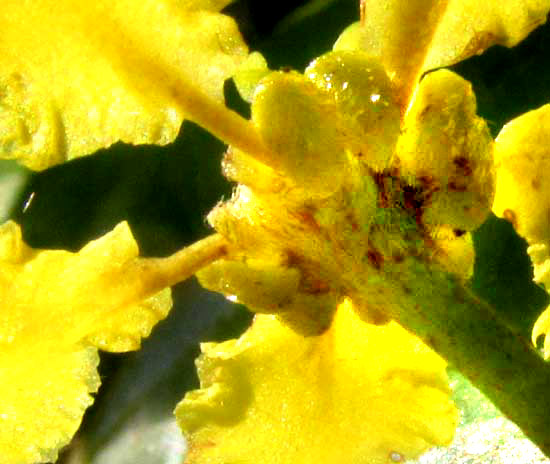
(410, 198)
(459, 232)
(308, 219)
(511, 217)
(377, 317)
(383, 198)
(426, 180)
(429, 186)
(394, 171)
(362, 11)
(431, 341)
(413, 199)
(424, 111)
(398, 258)
(535, 183)
(463, 164)
(292, 259)
(316, 287)
(352, 222)
(455, 187)
(197, 447)
(375, 258)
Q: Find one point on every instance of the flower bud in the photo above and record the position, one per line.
(446, 149)
(302, 128)
(364, 94)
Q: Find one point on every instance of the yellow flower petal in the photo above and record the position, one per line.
(53, 305)
(522, 196)
(412, 37)
(522, 157)
(43, 395)
(75, 295)
(357, 393)
(76, 76)
(469, 27)
(123, 330)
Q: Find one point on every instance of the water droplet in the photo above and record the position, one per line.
(396, 457)
(28, 202)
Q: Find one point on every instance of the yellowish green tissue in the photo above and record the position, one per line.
(56, 308)
(76, 76)
(263, 286)
(301, 125)
(357, 393)
(446, 149)
(454, 250)
(249, 75)
(350, 38)
(365, 96)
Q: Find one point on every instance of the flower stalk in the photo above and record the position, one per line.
(469, 334)
(154, 274)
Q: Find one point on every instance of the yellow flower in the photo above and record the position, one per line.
(57, 309)
(522, 158)
(356, 180)
(357, 393)
(76, 76)
(366, 173)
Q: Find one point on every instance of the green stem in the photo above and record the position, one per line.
(469, 334)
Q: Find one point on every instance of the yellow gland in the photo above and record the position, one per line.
(454, 250)
(446, 149)
(263, 286)
(364, 94)
(301, 126)
(522, 160)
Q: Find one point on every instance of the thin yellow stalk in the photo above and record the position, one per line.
(158, 273)
(146, 276)
(225, 124)
(152, 75)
